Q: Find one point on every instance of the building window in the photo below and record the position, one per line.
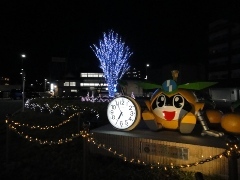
(92, 84)
(69, 84)
(66, 84)
(72, 83)
(73, 90)
(83, 75)
(92, 75)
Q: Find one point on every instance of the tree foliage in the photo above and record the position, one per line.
(113, 55)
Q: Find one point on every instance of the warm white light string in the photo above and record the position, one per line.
(93, 99)
(12, 125)
(87, 98)
(232, 148)
(40, 141)
(226, 153)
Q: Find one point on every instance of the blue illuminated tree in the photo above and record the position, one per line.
(113, 55)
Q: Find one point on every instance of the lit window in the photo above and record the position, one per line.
(72, 83)
(92, 84)
(73, 90)
(66, 84)
(83, 75)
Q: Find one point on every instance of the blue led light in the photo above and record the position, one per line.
(113, 55)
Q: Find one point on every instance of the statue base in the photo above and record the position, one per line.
(165, 148)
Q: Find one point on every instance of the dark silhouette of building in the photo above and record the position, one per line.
(132, 74)
(224, 52)
(58, 68)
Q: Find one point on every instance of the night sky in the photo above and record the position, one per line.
(157, 31)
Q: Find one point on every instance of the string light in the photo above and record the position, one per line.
(157, 165)
(40, 141)
(95, 99)
(46, 108)
(231, 148)
(14, 123)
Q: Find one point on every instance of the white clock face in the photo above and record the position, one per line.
(122, 113)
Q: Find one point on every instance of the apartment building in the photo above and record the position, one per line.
(224, 52)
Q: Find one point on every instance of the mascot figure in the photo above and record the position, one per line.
(176, 107)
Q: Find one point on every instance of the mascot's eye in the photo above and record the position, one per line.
(161, 101)
(178, 101)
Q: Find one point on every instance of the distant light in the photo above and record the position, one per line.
(23, 55)
(147, 65)
(51, 87)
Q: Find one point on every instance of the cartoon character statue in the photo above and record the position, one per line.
(176, 107)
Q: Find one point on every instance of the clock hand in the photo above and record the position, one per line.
(119, 107)
(120, 115)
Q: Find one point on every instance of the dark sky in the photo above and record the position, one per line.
(157, 31)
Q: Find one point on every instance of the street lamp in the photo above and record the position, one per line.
(45, 85)
(147, 65)
(23, 56)
(23, 81)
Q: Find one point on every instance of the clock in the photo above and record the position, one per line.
(124, 113)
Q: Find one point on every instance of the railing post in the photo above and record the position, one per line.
(232, 155)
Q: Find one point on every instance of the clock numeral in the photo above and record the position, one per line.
(113, 117)
(131, 113)
(112, 111)
(113, 106)
(121, 123)
(126, 122)
(130, 108)
(130, 118)
(122, 102)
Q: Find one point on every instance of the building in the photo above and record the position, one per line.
(133, 74)
(6, 87)
(92, 83)
(58, 68)
(224, 52)
(4, 81)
